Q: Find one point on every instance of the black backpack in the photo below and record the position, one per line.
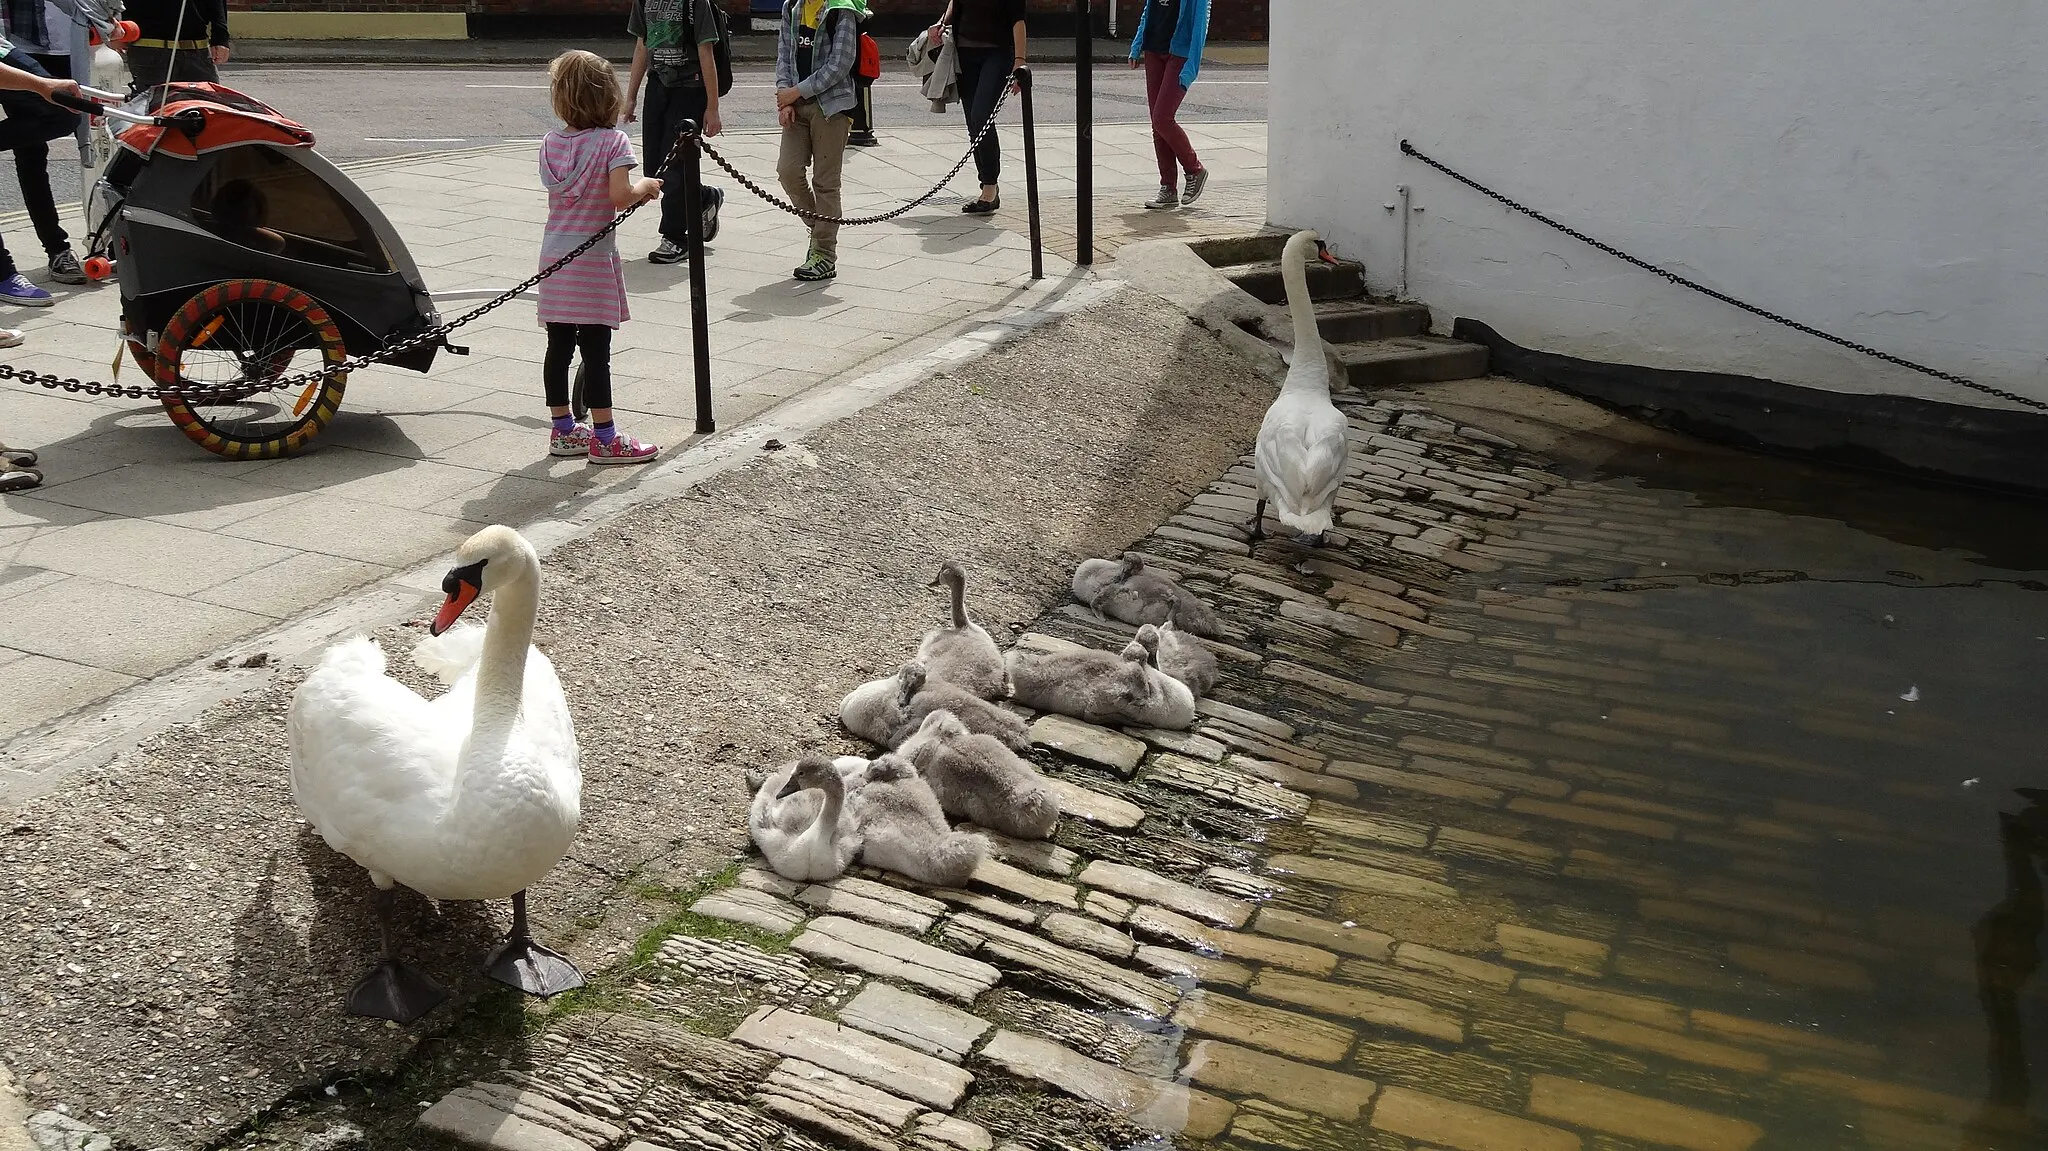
(721, 52)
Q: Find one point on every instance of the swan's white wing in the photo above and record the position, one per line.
(452, 654)
(368, 754)
(1301, 456)
(545, 720)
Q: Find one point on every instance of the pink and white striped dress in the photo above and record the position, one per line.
(576, 168)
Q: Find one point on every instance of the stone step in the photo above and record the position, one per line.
(1409, 360)
(1354, 321)
(1230, 251)
(1344, 280)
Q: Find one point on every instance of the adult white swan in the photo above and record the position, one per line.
(1303, 449)
(473, 795)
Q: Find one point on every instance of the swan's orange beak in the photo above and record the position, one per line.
(1323, 253)
(462, 585)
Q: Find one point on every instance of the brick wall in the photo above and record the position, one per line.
(1228, 19)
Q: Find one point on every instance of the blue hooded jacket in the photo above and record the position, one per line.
(1190, 36)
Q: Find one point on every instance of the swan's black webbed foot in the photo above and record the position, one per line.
(1255, 527)
(396, 992)
(520, 962)
(1307, 540)
(392, 990)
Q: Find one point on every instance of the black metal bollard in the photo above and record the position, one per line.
(1084, 133)
(1031, 173)
(691, 163)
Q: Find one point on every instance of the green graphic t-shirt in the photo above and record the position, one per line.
(673, 29)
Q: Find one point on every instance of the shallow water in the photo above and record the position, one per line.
(1752, 733)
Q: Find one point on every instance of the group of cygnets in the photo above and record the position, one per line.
(952, 751)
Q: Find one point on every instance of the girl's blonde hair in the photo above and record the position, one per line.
(585, 90)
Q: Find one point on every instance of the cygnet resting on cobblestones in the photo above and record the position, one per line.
(1180, 656)
(904, 830)
(1101, 687)
(1304, 444)
(963, 654)
(476, 794)
(801, 821)
(978, 779)
(1128, 590)
(888, 711)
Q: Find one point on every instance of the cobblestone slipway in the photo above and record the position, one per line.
(1462, 855)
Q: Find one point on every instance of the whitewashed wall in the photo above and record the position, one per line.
(1876, 168)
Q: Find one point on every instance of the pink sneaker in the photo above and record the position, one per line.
(622, 450)
(574, 442)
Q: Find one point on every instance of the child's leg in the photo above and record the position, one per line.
(795, 157)
(828, 159)
(595, 342)
(554, 369)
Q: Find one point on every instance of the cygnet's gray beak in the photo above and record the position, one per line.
(794, 785)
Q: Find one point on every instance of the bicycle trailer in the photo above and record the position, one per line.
(246, 261)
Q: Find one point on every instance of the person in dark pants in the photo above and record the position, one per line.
(865, 74)
(32, 122)
(989, 38)
(183, 40)
(18, 465)
(672, 53)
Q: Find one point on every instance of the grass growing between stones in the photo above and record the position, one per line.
(686, 922)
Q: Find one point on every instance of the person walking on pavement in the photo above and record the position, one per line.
(32, 122)
(865, 73)
(182, 40)
(18, 466)
(1168, 45)
(815, 54)
(587, 166)
(673, 54)
(989, 39)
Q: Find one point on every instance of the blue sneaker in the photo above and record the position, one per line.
(16, 289)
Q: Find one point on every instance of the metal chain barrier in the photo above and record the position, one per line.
(229, 393)
(1950, 377)
(856, 221)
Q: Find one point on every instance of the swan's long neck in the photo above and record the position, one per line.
(959, 587)
(826, 825)
(1309, 368)
(508, 635)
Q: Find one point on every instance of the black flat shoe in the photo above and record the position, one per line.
(982, 207)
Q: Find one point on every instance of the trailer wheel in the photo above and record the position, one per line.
(249, 332)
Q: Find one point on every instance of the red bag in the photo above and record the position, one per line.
(870, 65)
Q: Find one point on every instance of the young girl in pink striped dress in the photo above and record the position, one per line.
(586, 166)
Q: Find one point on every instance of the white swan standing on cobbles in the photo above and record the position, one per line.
(474, 795)
(888, 711)
(964, 653)
(801, 821)
(1303, 446)
(978, 779)
(1130, 591)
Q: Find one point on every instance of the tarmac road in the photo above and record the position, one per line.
(401, 109)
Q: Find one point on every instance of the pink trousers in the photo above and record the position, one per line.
(1163, 94)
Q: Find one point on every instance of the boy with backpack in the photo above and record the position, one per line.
(675, 50)
(815, 55)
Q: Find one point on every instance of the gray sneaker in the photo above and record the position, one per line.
(668, 252)
(65, 268)
(1197, 181)
(1166, 198)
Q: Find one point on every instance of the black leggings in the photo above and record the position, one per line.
(564, 341)
(982, 72)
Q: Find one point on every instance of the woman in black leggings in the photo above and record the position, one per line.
(988, 36)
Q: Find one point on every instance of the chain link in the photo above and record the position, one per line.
(232, 392)
(857, 221)
(1950, 377)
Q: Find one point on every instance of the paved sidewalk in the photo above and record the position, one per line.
(143, 554)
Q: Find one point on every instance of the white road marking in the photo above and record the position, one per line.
(416, 139)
